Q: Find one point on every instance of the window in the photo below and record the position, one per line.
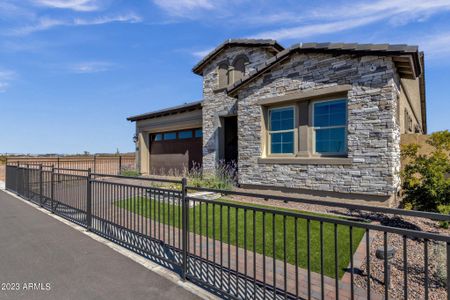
(222, 74)
(174, 135)
(170, 136)
(198, 133)
(330, 127)
(281, 130)
(238, 68)
(186, 134)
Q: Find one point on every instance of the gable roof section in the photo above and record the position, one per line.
(197, 69)
(168, 111)
(406, 58)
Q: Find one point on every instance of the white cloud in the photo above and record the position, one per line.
(6, 76)
(48, 23)
(315, 29)
(436, 46)
(202, 53)
(128, 18)
(77, 5)
(90, 67)
(184, 8)
(390, 8)
(326, 20)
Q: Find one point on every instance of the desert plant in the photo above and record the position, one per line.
(224, 177)
(444, 209)
(439, 256)
(130, 173)
(426, 180)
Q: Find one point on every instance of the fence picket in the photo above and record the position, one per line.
(301, 255)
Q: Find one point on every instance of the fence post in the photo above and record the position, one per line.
(52, 189)
(89, 202)
(27, 182)
(120, 164)
(57, 166)
(40, 185)
(17, 178)
(95, 163)
(184, 228)
(448, 269)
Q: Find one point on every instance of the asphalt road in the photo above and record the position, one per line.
(43, 258)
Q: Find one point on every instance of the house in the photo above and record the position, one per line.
(320, 118)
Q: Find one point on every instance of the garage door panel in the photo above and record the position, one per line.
(168, 164)
(168, 157)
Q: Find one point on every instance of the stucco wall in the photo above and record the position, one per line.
(410, 101)
(185, 120)
(373, 130)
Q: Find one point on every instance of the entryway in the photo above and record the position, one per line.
(229, 140)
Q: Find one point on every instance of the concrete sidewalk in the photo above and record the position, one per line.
(42, 258)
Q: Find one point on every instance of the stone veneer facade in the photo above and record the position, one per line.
(373, 129)
(217, 104)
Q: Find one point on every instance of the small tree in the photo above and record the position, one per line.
(426, 178)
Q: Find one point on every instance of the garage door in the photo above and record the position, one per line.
(176, 151)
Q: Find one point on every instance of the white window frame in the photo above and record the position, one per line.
(270, 132)
(314, 128)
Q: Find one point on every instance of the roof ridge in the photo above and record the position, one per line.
(243, 42)
(147, 115)
(379, 49)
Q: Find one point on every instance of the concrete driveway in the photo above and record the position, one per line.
(43, 258)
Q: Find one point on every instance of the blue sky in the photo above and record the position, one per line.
(71, 71)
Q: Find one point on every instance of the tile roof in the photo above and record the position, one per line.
(342, 48)
(167, 111)
(236, 42)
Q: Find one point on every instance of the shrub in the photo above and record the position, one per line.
(444, 209)
(130, 173)
(438, 255)
(426, 180)
(224, 177)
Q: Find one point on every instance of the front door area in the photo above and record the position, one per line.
(229, 140)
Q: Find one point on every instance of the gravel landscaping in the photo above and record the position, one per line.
(416, 261)
(415, 252)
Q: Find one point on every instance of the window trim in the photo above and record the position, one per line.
(294, 130)
(313, 129)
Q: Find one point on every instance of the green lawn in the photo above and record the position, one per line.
(212, 213)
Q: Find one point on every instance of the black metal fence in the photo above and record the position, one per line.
(244, 251)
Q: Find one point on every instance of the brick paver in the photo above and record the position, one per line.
(218, 263)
